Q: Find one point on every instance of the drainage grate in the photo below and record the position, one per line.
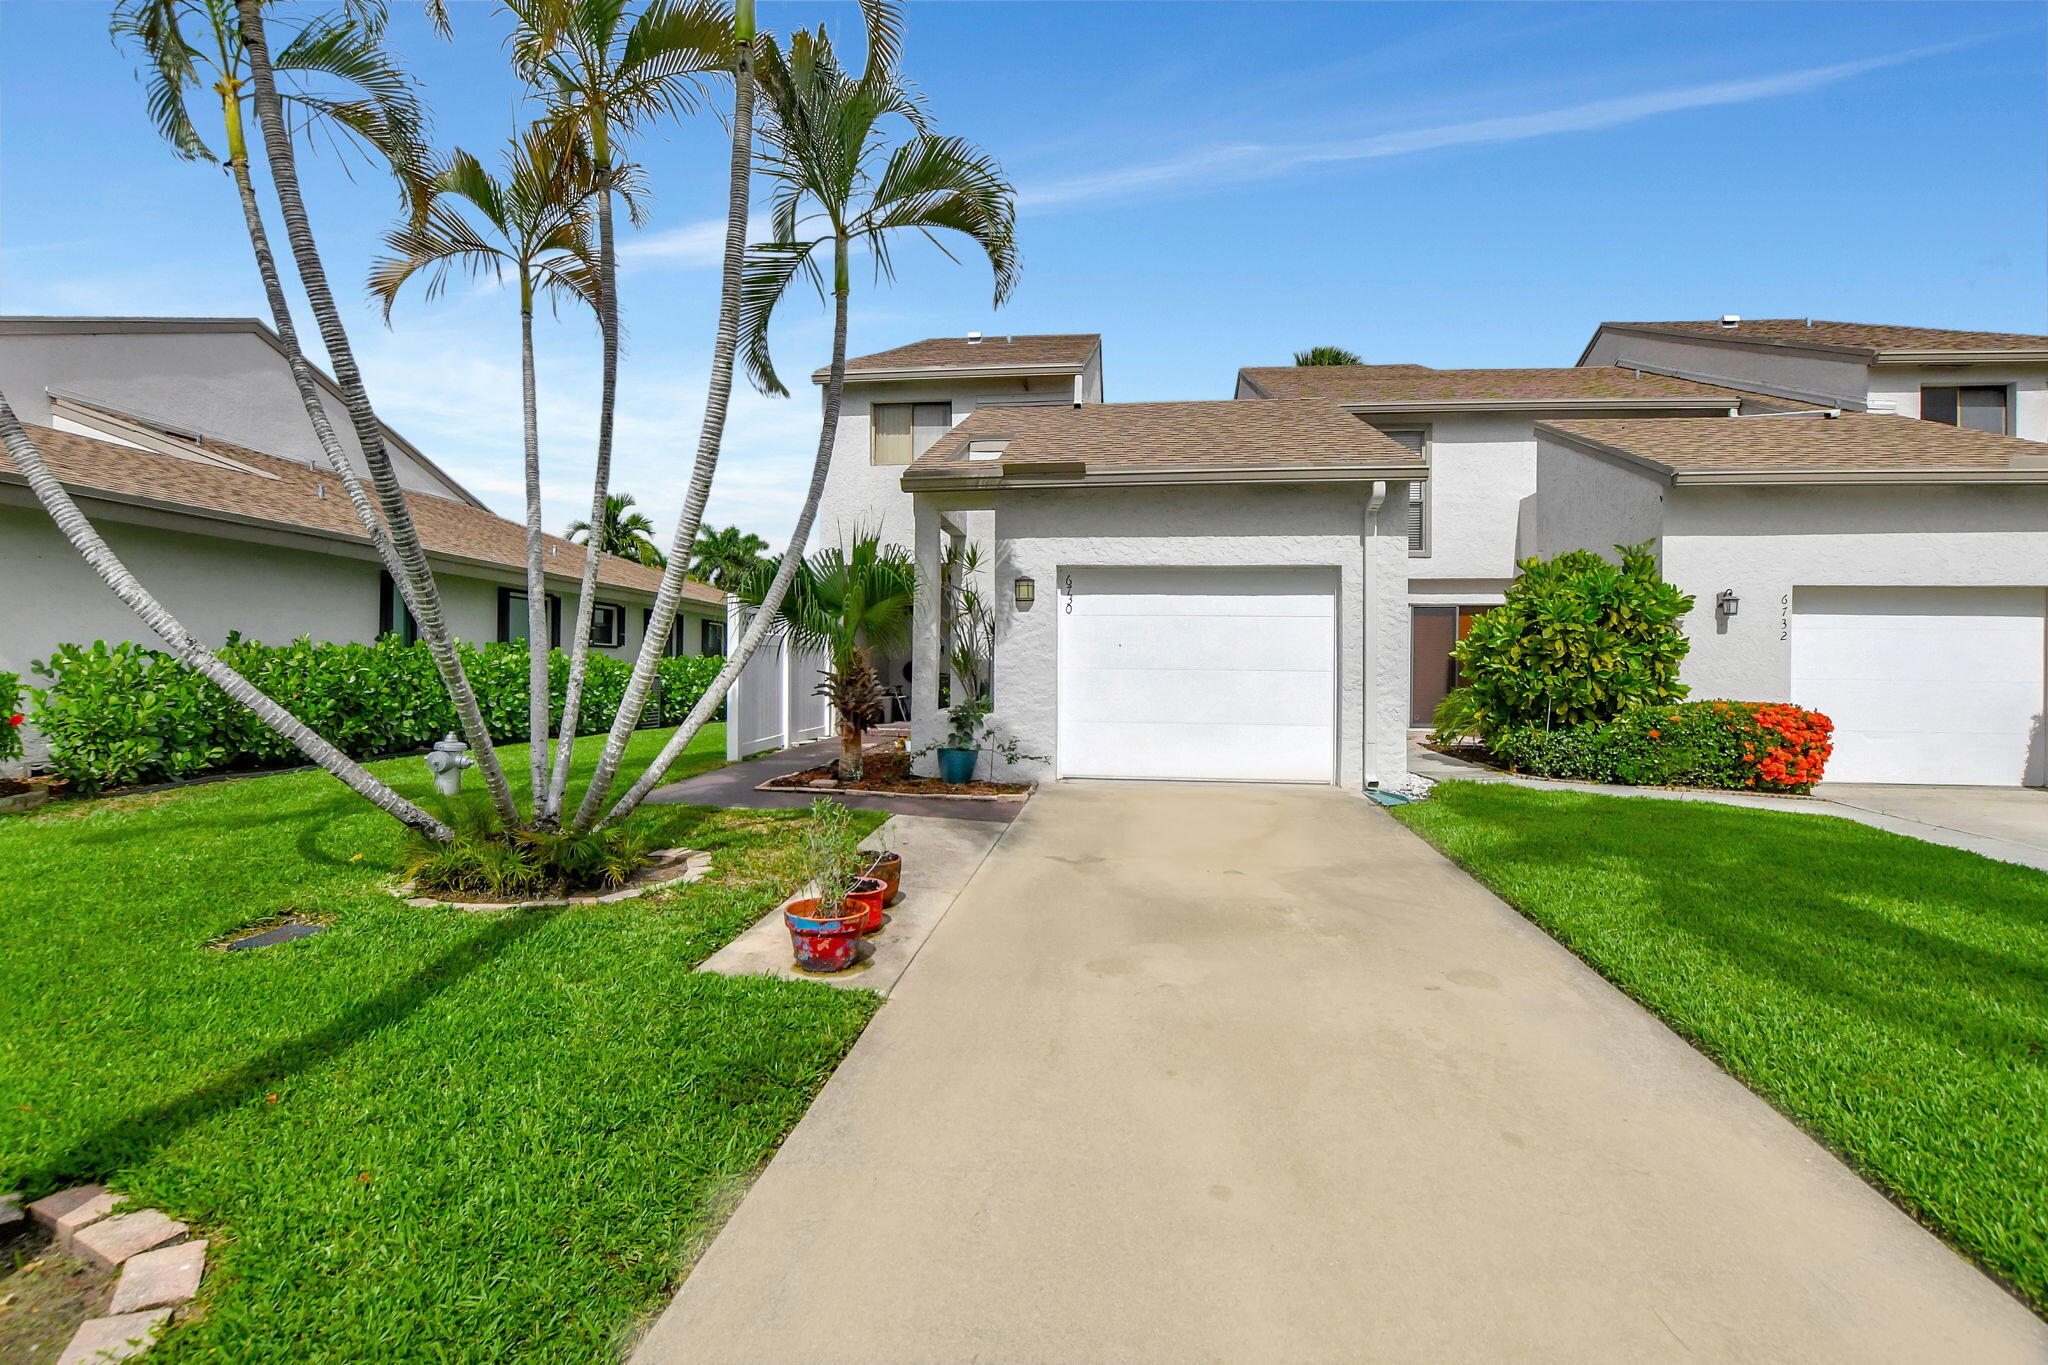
(283, 933)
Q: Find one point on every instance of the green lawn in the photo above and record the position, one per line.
(422, 1134)
(1891, 996)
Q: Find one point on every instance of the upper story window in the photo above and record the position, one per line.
(1418, 492)
(1980, 407)
(904, 431)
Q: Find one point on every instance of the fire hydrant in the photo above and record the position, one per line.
(446, 763)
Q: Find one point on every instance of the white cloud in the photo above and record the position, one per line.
(1241, 161)
(685, 247)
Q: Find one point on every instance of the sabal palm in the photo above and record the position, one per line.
(1327, 355)
(536, 223)
(724, 558)
(408, 557)
(625, 533)
(845, 604)
(607, 74)
(839, 184)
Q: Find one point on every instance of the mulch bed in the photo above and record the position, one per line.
(888, 771)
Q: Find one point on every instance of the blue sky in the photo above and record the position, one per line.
(1209, 185)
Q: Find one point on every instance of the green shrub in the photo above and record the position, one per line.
(10, 717)
(116, 715)
(1456, 717)
(1765, 746)
(1578, 640)
(507, 866)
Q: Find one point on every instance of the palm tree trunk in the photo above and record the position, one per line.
(58, 503)
(536, 573)
(593, 554)
(710, 437)
(849, 751)
(425, 594)
(764, 616)
(295, 360)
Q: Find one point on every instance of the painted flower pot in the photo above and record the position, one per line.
(957, 765)
(869, 892)
(889, 869)
(822, 942)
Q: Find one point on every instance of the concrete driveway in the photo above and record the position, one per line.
(1251, 1074)
(2015, 816)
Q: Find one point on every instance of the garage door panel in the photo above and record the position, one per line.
(1251, 644)
(1201, 674)
(1928, 685)
(1175, 751)
(1200, 696)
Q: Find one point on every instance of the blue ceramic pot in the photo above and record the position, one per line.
(957, 765)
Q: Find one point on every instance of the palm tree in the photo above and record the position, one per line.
(624, 533)
(1327, 355)
(423, 594)
(725, 558)
(846, 604)
(607, 75)
(838, 185)
(537, 222)
(184, 646)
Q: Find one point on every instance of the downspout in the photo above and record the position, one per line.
(1370, 637)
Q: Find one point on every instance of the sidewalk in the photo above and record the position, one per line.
(733, 785)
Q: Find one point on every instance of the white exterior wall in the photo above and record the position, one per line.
(1836, 381)
(1767, 543)
(863, 496)
(1587, 502)
(1040, 534)
(1482, 470)
(215, 577)
(1896, 388)
(232, 385)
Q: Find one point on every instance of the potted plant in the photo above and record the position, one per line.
(886, 866)
(825, 926)
(962, 749)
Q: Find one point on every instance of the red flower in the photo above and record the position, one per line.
(1654, 735)
(16, 719)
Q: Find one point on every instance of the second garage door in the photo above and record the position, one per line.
(1209, 674)
(1932, 685)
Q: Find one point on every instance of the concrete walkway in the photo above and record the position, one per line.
(1252, 1074)
(2006, 823)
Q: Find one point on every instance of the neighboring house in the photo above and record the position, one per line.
(233, 538)
(1987, 381)
(1236, 589)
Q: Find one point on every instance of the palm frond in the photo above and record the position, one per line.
(764, 279)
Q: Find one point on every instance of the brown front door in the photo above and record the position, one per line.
(1432, 670)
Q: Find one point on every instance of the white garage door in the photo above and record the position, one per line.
(1214, 674)
(1936, 685)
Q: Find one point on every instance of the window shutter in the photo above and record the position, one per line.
(1416, 494)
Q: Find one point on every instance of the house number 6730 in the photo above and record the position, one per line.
(1067, 591)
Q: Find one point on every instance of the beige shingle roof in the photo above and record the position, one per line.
(1386, 384)
(1226, 434)
(1064, 348)
(1859, 336)
(1851, 443)
(290, 497)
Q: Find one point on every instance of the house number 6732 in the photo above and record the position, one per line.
(1785, 617)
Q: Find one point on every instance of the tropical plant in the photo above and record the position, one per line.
(624, 533)
(846, 604)
(607, 74)
(830, 858)
(725, 558)
(10, 717)
(1327, 355)
(537, 222)
(839, 185)
(970, 624)
(1578, 639)
(1456, 717)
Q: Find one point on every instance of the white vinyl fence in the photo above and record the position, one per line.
(773, 704)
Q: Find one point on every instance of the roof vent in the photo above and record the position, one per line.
(1730, 321)
(974, 338)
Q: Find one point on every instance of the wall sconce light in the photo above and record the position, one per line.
(1726, 603)
(1027, 593)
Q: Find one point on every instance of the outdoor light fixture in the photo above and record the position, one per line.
(1027, 593)
(1726, 603)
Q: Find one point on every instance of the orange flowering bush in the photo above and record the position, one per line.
(1747, 745)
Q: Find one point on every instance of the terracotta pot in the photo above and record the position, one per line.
(889, 868)
(824, 942)
(869, 892)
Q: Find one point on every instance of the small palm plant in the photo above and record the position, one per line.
(536, 222)
(1327, 355)
(847, 605)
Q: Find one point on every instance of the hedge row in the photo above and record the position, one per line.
(10, 717)
(115, 715)
(1762, 746)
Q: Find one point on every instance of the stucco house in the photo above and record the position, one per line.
(1268, 587)
(184, 441)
